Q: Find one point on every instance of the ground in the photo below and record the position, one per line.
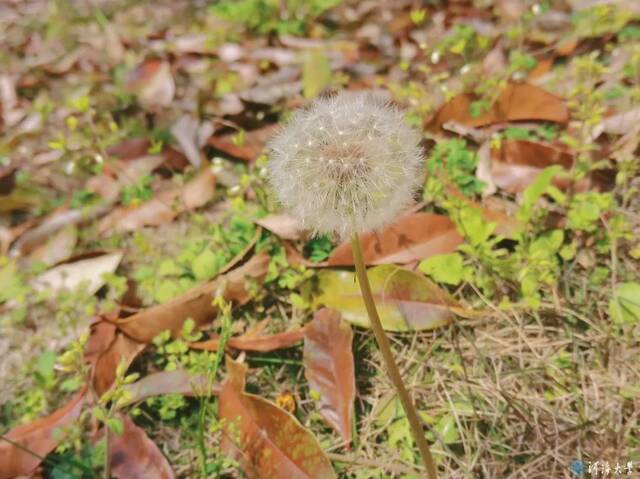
(145, 259)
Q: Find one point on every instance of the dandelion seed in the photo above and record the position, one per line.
(366, 164)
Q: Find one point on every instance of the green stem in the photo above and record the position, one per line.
(387, 354)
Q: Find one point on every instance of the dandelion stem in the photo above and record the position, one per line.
(387, 354)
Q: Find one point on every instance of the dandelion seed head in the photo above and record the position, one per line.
(347, 164)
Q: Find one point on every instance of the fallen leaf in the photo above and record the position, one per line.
(153, 83)
(618, 124)
(122, 349)
(253, 340)
(412, 237)
(329, 369)
(316, 72)
(248, 148)
(195, 303)
(518, 162)
(185, 131)
(37, 439)
(133, 455)
(167, 382)
(163, 208)
(266, 440)
(518, 101)
(87, 271)
(406, 300)
(34, 236)
(58, 248)
(282, 225)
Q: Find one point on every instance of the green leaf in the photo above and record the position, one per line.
(447, 429)
(316, 72)
(115, 425)
(535, 190)
(444, 268)
(205, 265)
(624, 307)
(406, 300)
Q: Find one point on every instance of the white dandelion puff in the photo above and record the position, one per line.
(347, 164)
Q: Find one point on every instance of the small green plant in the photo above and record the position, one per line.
(453, 160)
(289, 17)
(319, 248)
(133, 195)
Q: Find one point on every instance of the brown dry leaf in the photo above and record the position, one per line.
(123, 349)
(518, 101)
(153, 83)
(37, 439)
(517, 163)
(86, 270)
(58, 248)
(619, 124)
(329, 368)
(33, 233)
(133, 455)
(185, 131)
(195, 303)
(163, 208)
(282, 225)
(253, 340)
(266, 440)
(167, 382)
(251, 146)
(106, 349)
(413, 237)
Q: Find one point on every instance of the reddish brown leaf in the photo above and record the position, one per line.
(517, 163)
(249, 149)
(266, 440)
(37, 439)
(133, 455)
(122, 349)
(413, 237)
(329, 368)
(518, 101)
(253, 340)
(195, 303)
(105, 349)
(153, 83)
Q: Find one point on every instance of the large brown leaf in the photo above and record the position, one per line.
(412, 238)
(195, 303)
(517, 163)
(266, 440)
(406, 300)
(37, 439)
(255, 340)
(329, 368)
(133, 455)
(518, 101)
